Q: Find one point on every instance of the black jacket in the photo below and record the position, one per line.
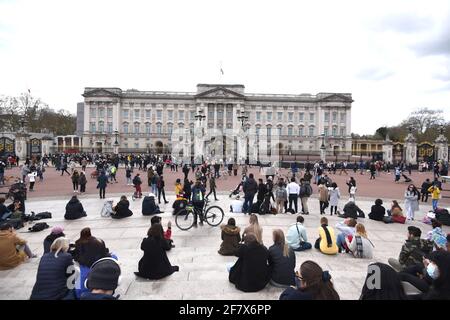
(122, 210)
(281, 267)
(154, 264)
(377, 213)
(51, 279)
(251, 271)
(351, 210)
(149, 206)
(48, 241)
(250, 187)
(74, 210)
(97, 296)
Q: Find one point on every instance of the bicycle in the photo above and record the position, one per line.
(213, 216)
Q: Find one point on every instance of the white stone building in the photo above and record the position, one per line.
(146, 119)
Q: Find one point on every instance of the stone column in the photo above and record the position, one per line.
(441, 145)
(21, 145)
(387, 149)
(410, 148)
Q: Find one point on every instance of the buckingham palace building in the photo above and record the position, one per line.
(294, 126)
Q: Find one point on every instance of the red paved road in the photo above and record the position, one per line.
(383, 186)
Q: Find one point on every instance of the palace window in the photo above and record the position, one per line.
(280, 116)
(101, 112)
(334, 131)
(159, 128)
(290, 131)
(301, 132)
(147, 128)
(136, 128)
(269, 132)
(92, 112)
(258, 116)
(279, 131)
(180, 115)
(125, 113)
(301, 117)
(93, 127)
(290, 116)
(136, 145)
(269, 116)
(311, 117)
(192, 115)
(125, 128)
(101, 126)
(110, 126)
(170, 115)
(325, 131)
(342, 117)
(109, 112)
(169, 128)
(334, 117)
(158, 115)
(327, 117)
(342, 132)
(311, 131)
(136, 114)
(147, 114)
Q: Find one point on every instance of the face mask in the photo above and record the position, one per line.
(433, 271)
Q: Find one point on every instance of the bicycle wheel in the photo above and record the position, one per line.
(184, 219)
(214, 216)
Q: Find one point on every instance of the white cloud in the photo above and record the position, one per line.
(56, 48)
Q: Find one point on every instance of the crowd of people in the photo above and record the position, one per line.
(423, 263)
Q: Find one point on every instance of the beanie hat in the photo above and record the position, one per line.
(57, 230)
(104, 275)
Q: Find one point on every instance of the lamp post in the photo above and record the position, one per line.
(199, 144)
(323, 149)
(116, 142)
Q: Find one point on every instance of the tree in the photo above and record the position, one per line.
(423, 119)
(381, 132)
(37, 115)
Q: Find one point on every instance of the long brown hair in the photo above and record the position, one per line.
(85, 235)
(278, 239)
(318, 283)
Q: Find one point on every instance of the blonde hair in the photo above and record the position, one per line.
(278, 238)
(60, 244)
(255, 228)
(361, 230)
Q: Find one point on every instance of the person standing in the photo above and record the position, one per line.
(160, 185)
(280, 196)
(128, 172)
(137, 182)
(198, 196)
(424, 190)
(64, 169)
(102, 183)
(411, 201)
(435, 195)
(212, 187)
(83, 182)
(323, 198)
(305, 193)
(32, 178)
(335, 195)
(83, 165)
(293, 190)
(75, 180)
(372, 171)
(2, 172)
(250, 188)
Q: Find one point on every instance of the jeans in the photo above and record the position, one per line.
(293, 198)
(340, 241)
(434, 203)
(322, 205)
(248, 202)
(303, 246)
(331, 209)
(82, 188)
(154, 189)
(280, 205)
(425, 196)
(102, 192)
(75, 186)
(161, 191)
(31, 185)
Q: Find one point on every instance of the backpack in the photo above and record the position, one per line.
(281, 193)
(43, 215)
(39, 227)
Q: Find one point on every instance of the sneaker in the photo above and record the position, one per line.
(201, 223)
(195, 225)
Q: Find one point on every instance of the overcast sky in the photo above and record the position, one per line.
(393, 56)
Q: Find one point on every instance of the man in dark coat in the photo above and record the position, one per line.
(251, 272)
(102, 183)
(149, 205)
(250, 187)
(122, 209)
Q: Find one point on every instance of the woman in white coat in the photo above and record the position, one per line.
(335, 195)
(412, 197)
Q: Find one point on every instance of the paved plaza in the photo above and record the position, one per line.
(203, 273)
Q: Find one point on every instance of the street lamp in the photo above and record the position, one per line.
(323, 149)
(116, 134)
(22, 123)
(200, 116)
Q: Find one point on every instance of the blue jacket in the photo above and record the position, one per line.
(51, 279)
(102, 181)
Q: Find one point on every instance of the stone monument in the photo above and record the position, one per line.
(441, 144)
(410, 148)
(387, 149)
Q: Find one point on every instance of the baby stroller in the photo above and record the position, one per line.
(107, 209)
(265, 207)
(94, 174)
